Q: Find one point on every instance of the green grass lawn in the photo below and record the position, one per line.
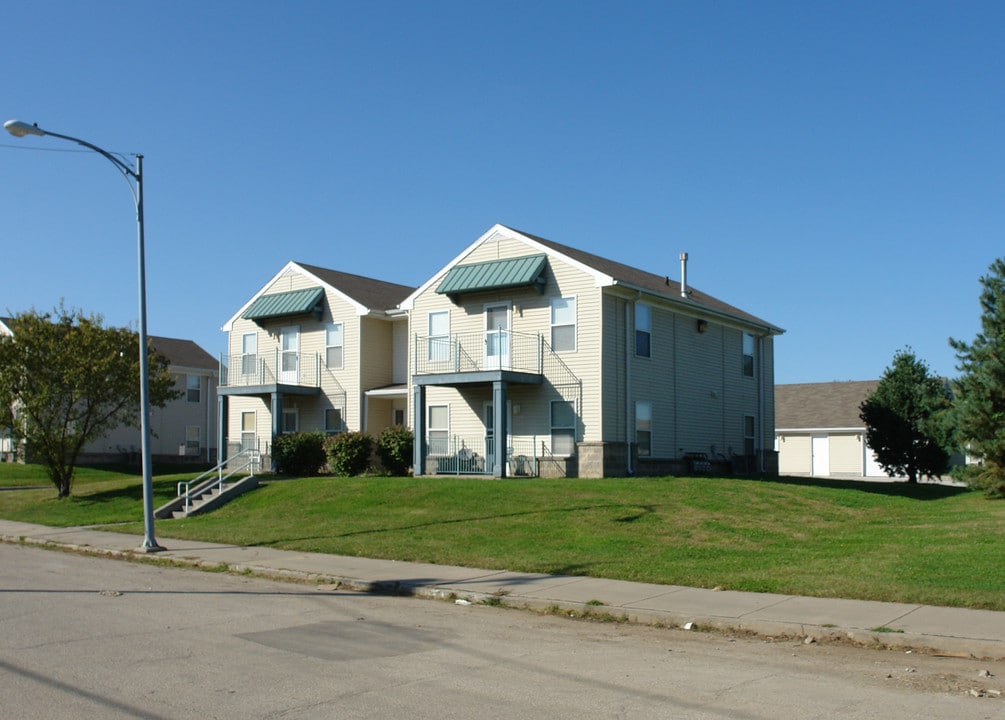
(928, 544)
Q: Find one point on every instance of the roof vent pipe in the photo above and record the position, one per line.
(683, 275)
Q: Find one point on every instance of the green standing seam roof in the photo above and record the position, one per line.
(495, 274)
(296, 302)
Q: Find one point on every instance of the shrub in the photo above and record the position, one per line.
(394, 448)
(301, 454)
(349, 453)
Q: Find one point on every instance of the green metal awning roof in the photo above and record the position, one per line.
(495, 274)
(296, 302)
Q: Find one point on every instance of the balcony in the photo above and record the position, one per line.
(479, 357)
(259, 373)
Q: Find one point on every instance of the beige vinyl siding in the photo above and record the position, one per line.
(653, 379)
(617, 346)
(401, 345)
(795, 455)
(530, 316)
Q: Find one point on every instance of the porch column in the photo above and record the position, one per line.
(418, 430)
(500, 433)
(277, 423)
(221, 430)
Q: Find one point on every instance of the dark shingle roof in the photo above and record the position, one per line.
(658, 284)
(821, 405)
(371, 293)
(184, 353)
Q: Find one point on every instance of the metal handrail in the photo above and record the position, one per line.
(251, 460)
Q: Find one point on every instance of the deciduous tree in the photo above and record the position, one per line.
(66, 380)
(906, 419)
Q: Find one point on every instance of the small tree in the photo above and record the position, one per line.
(979, 404)
(65, 380)
(394, 448)
(906, 419)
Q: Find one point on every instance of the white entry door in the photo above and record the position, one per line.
(289, 361)
(497, 337)
(821, 456)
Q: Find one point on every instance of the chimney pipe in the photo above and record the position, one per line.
(683, 275)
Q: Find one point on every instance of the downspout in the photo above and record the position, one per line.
(760, 402)
(628, 386)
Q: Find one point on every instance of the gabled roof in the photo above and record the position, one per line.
(184, 353)
(819, 406)
(608, 273)
(367, 295)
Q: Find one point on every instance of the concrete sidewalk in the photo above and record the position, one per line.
(978, 633)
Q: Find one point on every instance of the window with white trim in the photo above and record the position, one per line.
(193, 388)
(193, 434)
(249, 353)
(438, 429)
(748, 355)
(748, 435)
(334, 346)
(644, 428)
(248, 431)
(333, 420)
(563, 324)
(439, 336)
(643, 330)
(563, 427)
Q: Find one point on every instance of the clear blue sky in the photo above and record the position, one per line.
(836, 168)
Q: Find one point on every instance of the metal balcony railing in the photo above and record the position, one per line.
(478, 351)
(283, 368)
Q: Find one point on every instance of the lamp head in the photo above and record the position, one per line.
(20, 129)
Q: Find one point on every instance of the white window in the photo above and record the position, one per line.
(563, 324)
(333, 346)
(644, 428)
(249, 354)
(748, 435)
(193, 434)
(439, 336)
(563, 427)
(643, 330)
(333, 420)
(438, 429)
(248, 431)
(748, 355)
(193, 387)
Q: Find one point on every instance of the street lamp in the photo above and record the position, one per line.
(20, 129)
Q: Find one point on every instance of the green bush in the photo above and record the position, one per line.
(301, 454)
(394, 448)
(349, 453)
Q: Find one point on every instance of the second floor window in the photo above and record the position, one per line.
(748, 355)
(193, 388)
(249, 354)
(439, 336)
(643, 330)
(563, 324)
(334, 346)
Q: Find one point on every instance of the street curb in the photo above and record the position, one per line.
(769, 630)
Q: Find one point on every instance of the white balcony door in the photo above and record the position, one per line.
(497, 337)
(289, 362)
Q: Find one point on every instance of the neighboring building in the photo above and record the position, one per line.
(818, 431)
(185, 428)
(315, 349)
(587, 367)
(6, 441)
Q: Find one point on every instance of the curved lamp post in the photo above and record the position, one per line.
(20, 129)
